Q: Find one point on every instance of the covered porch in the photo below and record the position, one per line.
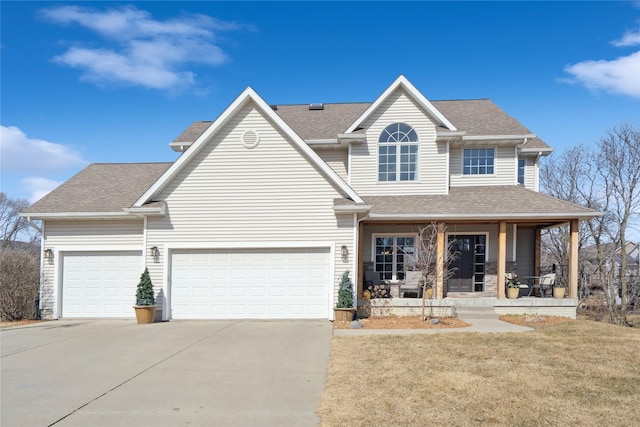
(494, 231)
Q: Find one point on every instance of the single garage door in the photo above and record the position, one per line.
(250, 284)
(100, 284)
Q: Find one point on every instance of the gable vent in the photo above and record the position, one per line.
(316, 106)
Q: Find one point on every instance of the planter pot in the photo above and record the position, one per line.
(343, 314)
(428, 293)
(512, 293)
(558, 293)
(145, 313)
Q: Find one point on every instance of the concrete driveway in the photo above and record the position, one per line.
(179, 373)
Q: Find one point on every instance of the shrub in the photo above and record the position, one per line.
(345, 292)
(19, 284)
(144, 294)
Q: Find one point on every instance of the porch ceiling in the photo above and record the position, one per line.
(482, 203)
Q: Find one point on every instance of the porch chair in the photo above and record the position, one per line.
(412, 283)
(546, 283)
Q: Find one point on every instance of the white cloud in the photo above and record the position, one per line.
(38, 187)
(630, 38)
(620, 76)
(28, 155)
(139, 50)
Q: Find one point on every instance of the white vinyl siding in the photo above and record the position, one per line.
(64, 235)
(505, 168)
(530, 173)
(232, 196)
(336, 158)
(432, 161)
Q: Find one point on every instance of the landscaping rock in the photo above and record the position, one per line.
(355, 325)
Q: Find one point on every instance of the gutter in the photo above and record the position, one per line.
(475, 216)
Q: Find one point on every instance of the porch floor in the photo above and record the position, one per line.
(451, 306)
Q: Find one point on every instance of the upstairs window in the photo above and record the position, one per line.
(398, 153)
(478, 161)
(521, 163)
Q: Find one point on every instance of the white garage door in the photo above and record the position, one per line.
(250, 284)
(100, 284)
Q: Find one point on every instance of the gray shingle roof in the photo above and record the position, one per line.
(192, 133)
(475, 117)
(508, 201)
(101, 187)
(480, 117)
(321, 124)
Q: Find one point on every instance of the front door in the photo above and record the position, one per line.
(468, 263)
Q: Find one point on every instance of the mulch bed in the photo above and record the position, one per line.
(405, 322)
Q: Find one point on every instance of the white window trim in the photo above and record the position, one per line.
(394, 235)
(398, 145)
(495, 163)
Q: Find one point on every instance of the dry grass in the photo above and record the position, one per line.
(572, 373)
(11, 324)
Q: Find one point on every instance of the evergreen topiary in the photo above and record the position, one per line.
(345, 292)
(144, 294)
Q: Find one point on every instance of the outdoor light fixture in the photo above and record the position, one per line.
(344, 251)
(155, 253)
(48, 254)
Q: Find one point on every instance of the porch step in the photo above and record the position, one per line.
(475, 312)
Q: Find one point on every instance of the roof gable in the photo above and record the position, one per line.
(399, 84)
(248, 95)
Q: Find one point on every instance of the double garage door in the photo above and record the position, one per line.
(288, 283)
(250, 284)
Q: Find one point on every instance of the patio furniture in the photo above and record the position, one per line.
(543, 283)
(412, 283)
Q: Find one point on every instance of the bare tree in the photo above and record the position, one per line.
(426, 258)
(19, 282)
(12, 225)
(620, 159)
(606, 179)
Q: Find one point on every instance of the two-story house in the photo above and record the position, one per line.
(268, 205)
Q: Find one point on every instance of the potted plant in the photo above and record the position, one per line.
(344, 308)
(145, 300)
(513, 285)
(559, 290)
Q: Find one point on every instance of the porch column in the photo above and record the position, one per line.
(440, 262)
(502, 257)
(536, 252)
(573, 259)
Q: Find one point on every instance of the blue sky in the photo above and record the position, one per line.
(90, 82)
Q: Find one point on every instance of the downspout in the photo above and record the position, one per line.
(38, 301)
(144, 243)
(537, 176)
(34, 225)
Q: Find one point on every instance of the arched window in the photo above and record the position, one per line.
(398, 153)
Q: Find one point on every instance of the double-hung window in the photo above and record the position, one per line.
(393, 254)
(398, 153)
(478, 161)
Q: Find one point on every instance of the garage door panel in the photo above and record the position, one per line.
(99, 284)
(283, 283)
